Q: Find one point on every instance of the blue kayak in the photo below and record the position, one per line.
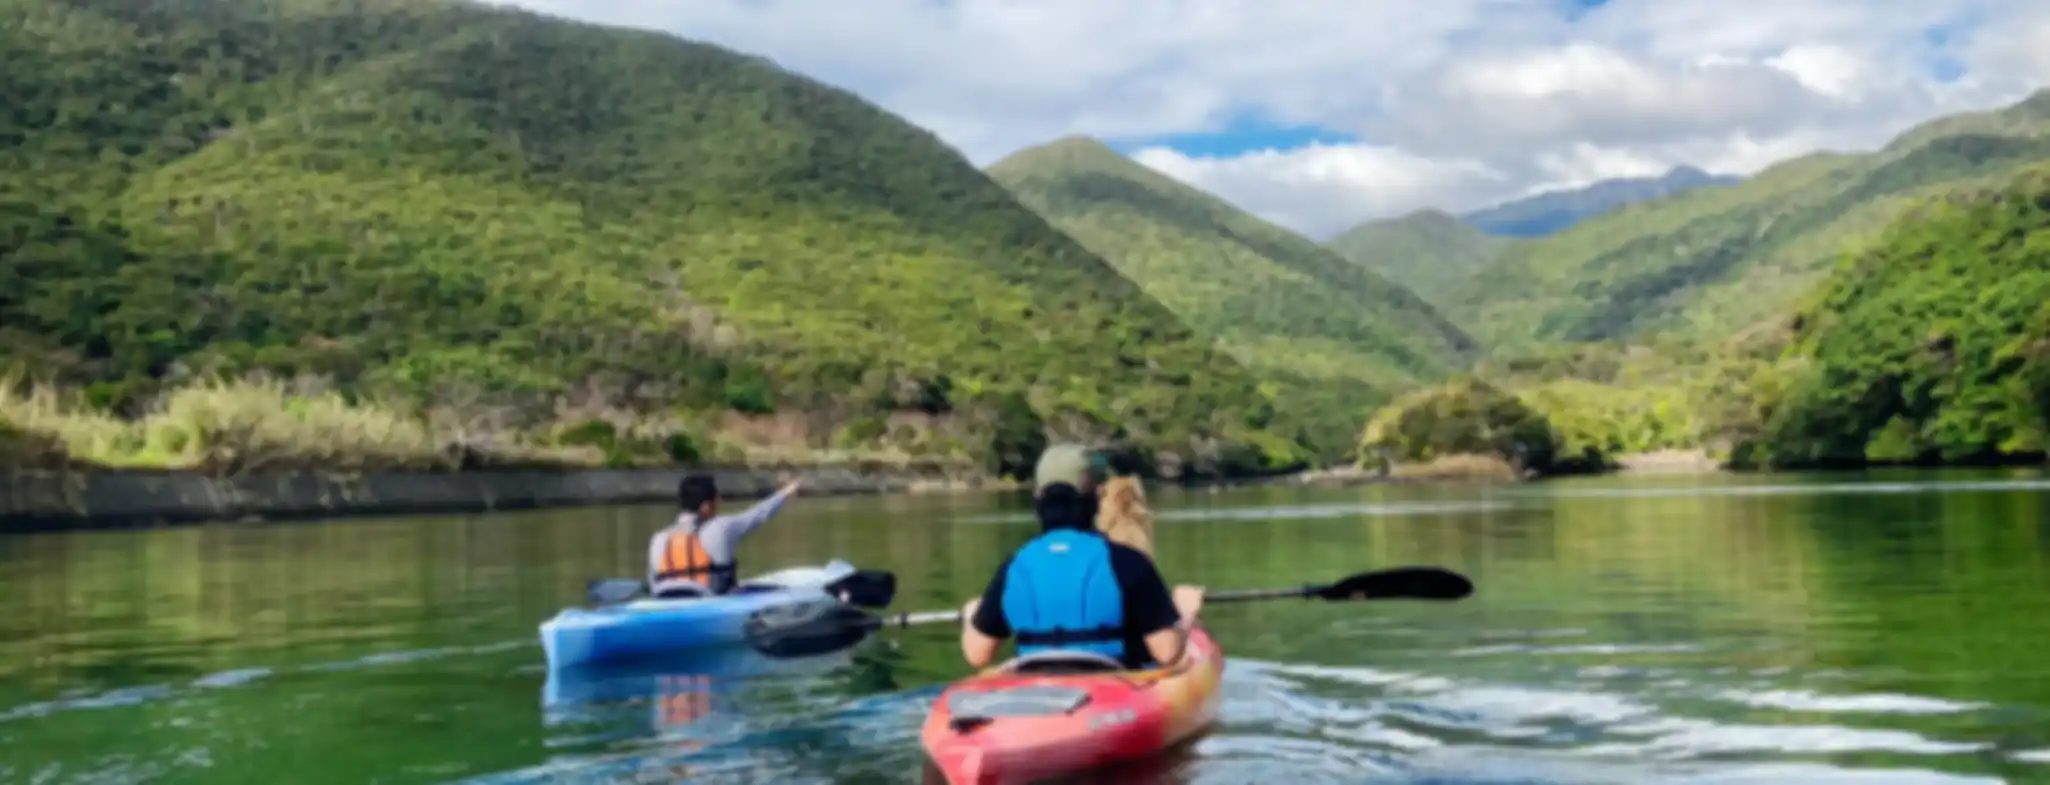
(761, 607)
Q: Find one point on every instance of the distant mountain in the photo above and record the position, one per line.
(1552, 212)
(1427, 250)
(1712, 261)
(1279, 302)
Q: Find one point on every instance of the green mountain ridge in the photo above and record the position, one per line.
(1427, 251)
(1283, 305)
(417, 197)
(1710, 262)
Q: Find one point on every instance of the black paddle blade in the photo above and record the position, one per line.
(1417, 583)
(612, 591)
(808, 629)
(866, 589)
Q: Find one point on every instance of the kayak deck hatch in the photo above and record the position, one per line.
(971, 710)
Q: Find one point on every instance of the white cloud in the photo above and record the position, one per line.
(1466, 101)
(1332, 185)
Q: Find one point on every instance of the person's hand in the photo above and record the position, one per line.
(792, 486)
(1188, 601)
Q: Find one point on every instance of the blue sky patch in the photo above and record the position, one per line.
(1946, 69)
(1240, 136)
(1576, 9)
(1948, 37)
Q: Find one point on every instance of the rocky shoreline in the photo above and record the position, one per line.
(32, 501)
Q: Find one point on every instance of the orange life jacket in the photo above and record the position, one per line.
(684, 556)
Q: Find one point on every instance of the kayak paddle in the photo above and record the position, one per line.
(864, 589)
(1400, 583)
(807, 629)
(613, 591)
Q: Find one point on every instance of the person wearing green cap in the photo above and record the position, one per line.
(1073, 464)
(1070, 588)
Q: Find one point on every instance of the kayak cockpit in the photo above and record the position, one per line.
(1061, 663)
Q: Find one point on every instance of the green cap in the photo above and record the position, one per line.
(1069, 463)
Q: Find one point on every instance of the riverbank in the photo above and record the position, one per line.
(56, 500)
(36, 501)
(1669, 462)
(1489, 468)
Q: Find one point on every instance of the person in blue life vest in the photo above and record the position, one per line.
(1072, 589)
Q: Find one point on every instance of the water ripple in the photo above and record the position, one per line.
(240, 677)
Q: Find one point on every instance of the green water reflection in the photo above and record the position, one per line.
(1626, 630)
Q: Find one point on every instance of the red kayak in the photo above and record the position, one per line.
(1060, 713)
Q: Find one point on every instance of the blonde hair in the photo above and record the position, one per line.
(1122, 516)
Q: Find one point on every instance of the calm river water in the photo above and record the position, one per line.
(1810, 629)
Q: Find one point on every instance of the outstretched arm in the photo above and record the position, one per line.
(762, 510)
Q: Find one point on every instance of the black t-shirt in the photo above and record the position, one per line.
(1149, 608)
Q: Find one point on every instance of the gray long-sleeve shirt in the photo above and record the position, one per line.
(721, 536)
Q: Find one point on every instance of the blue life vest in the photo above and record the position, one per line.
(1061, 593)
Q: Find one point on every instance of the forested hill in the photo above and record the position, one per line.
(1275, 297)
(1713, 261)
(1335, 336)
(423, 197)
(1427, 250)
(1932, 345)
(1928, 344)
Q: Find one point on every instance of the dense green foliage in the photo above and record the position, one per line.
(1931, 345)
(1465, 417)
(1332, 337)
(1427, 250)
(1608, 400)
(1554, 212)
(460, 206)
(1712, 261)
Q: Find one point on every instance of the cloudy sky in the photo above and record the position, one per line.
(1321, 113)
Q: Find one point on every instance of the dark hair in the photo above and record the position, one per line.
(1063, 506)
(695, 491)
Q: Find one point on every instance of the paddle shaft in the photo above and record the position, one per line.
(1209, 598)
(1412, 583)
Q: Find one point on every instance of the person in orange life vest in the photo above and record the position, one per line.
(694, 556)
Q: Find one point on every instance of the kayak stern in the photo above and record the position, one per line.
(1004, 727)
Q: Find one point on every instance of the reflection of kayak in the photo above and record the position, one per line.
(1055, 714)
(680, 687)
(759, 608)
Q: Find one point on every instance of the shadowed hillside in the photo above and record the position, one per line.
(1427, 251)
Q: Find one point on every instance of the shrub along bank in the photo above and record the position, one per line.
(255, 426)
